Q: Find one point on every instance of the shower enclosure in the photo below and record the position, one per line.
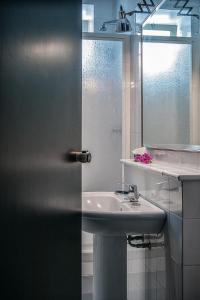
(104, 105)
(105, 129)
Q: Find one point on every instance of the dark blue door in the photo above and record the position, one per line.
(40, 121)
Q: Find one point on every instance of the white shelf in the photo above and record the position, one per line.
(181, 173)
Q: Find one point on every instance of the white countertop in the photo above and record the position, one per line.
(181, 173)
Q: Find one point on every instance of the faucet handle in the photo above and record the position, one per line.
(132, 188)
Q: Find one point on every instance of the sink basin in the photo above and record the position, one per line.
(107, 213)
(110, 218)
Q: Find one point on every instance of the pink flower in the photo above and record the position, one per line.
(145, 158)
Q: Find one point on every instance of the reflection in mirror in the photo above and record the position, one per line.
(171, 74)
(116, 16)
(88, 17)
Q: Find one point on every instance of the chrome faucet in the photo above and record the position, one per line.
(133, 194)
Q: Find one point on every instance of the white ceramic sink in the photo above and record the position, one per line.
(107, 213)
(110, 218)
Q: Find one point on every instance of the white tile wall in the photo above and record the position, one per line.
(162, 264)
(175, 238)
(175, 195)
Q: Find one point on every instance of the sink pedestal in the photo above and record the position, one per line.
(110, 267)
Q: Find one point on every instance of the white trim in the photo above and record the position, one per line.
(166, 39)
(126, 96)
(126, 134)
(105, 36)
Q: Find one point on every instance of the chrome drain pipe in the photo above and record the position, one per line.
(145, 241)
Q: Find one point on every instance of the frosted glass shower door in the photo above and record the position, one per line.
(102, 113)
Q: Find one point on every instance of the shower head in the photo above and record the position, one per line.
(122, 23)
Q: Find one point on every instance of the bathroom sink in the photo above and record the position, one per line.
(110, 218)
(107, 213)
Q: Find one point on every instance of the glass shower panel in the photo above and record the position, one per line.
(167, 73)
(102, 113)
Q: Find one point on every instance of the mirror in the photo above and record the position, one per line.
(171, 74)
